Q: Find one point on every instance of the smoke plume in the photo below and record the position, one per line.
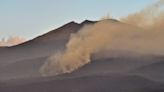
(11, 41)
(142, 34)
(107, 34)
(150, 17)
(87, 41)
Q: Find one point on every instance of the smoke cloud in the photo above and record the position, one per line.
(142, 34)
(87, 41)
(150, 17)
(11, 41)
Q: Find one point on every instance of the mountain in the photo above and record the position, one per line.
(18, 61)
(41, 46)
(107, 72)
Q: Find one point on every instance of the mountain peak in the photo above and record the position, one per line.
(71, 23)
(111, 20)
(85, 22)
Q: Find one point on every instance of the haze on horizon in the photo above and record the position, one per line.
(31, 18)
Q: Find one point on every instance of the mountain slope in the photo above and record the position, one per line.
(41, 46)
(110, 83)
(108, 72)
(19, 61)
(153, 71)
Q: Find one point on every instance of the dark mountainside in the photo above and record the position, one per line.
(24, 60)
(42, 45)
(19, 68)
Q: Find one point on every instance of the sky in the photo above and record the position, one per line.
(30, 18)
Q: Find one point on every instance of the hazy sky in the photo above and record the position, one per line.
(30, 18)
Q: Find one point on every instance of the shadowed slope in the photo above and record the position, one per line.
(41, 46)
(24, 60)
(112, 83)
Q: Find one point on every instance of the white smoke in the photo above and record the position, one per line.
(102, 35)
(111, 35)
(11, 41)
(148, 18)
(80, 47)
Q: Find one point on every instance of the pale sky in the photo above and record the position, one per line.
(30, 18)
